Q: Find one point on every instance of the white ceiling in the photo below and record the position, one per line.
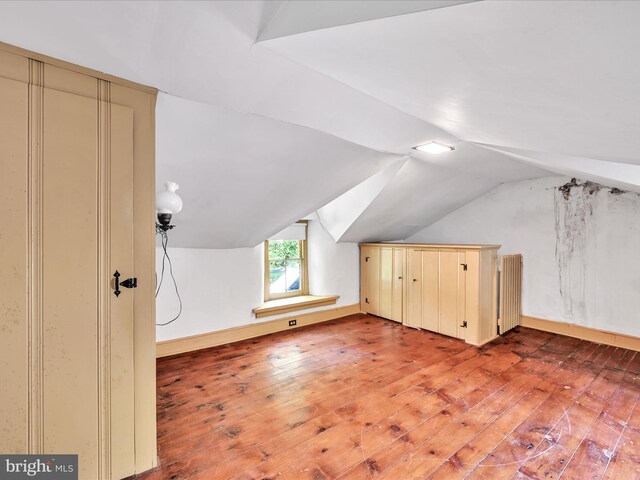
(273, 109)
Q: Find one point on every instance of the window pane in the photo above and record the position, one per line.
(284, 276)
(283, 249)
(277, 279)
(292, 275)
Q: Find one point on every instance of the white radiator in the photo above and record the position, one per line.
(510, 292)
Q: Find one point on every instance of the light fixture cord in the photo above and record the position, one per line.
(165, 256)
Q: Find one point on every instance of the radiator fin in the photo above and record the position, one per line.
(510, 291)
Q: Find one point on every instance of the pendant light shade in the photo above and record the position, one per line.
(168, 201)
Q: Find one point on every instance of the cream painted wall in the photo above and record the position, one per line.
(220, 287)
(580, 254)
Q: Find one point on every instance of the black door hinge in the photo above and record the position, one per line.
(366, 300)
(366, 259)
(464, 324)
(464, 266)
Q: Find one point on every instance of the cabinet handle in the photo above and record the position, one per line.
(399, 278)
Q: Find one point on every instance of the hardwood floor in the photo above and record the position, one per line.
(362, 398)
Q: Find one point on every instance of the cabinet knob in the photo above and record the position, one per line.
(415, 280)
(399, 278)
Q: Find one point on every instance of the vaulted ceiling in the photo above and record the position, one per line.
(271, 110)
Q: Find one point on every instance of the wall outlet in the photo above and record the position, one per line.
(292, 323)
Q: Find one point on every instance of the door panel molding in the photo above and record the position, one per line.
(104, 279)
(35, 322)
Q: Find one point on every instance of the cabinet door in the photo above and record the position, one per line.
(414, 288)
(449, 298)
(430, 290)
(462, 295)
(372, 266)
(385, 306)
(365, 275)
(399, 255)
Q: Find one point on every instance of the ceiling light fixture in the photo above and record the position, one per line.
(433, 147)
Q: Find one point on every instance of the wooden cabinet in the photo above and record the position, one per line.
(449, 289)
(382, 281)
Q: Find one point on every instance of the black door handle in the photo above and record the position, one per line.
(128, 283)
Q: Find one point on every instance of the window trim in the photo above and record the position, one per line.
(304, 269)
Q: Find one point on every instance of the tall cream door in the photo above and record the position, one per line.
(78, 192)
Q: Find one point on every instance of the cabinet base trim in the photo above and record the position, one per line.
(461, 339)
(491, 339)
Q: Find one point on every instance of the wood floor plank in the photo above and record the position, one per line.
(468, 457)
(625, 464)
(626, 461)
(549, 459)
(626, 359)
(362, 398)
(432, 453)
(602, 389)
(634, 364)
(592, 457)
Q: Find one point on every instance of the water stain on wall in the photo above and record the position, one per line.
(575, 203)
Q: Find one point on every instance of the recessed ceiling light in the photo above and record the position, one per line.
(433, 147)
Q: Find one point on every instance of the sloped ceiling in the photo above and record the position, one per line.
(236, 171)
(308, 15)
(270, 110)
